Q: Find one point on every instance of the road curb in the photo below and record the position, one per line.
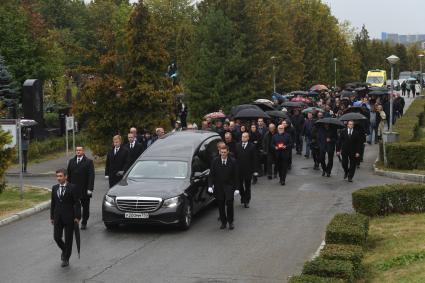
(27, 212)
(398, 175)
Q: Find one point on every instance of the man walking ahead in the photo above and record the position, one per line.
(65, 210)
(349, 147)
(222, 182)
(81, 174)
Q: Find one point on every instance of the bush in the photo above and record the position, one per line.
(407, 156)
(6, 156)
(349, 229)
(314, 279)
(330, 268)
(352, 253)
(51, 145)
(51, 120)
(396, 198)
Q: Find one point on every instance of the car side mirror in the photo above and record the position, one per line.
(197, 175)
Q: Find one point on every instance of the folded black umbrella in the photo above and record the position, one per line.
(237, 108)
(277, 114)
(331, 121)
(294, 104)
(77, 237)
(251, 114)
(352, 116)
(347, 93)
(264, 106)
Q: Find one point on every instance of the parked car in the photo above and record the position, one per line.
(396, 84)
(167, 184)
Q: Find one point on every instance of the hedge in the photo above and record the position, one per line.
(321, 267)
(387, 199)
(314, 279)
(408, 126)
(407, 156)
(409, 152)
(352, 253)
(349, 229)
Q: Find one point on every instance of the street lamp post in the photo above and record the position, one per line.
(421, 75)
(273, 58)
(335, 61)
(392, 60)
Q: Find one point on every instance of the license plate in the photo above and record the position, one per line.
(136, 215)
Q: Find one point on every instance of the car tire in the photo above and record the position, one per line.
(186, 217)
(111, 226)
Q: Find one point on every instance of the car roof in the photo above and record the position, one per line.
(177, 145)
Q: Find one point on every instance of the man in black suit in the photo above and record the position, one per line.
(246, 159)
(349, 147)
(137, 138)
(116, 162)
(65, 210)
(81, 174)
(222, 183)
(134, 149)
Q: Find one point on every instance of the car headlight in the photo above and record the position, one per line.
(171, 202)
(109, 200)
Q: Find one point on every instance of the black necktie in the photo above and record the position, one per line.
(224, 162)
(131, 146)
(116, 150)
(61, 191)
(78, 160)
(244, 145)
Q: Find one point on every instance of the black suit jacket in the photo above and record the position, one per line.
(224, 178)
(246, 159)
(81, 175)
(66, 208)
(133, 153)
(116, 162)
(349, 145)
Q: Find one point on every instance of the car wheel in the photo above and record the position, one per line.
(186, 219)
(111, 226)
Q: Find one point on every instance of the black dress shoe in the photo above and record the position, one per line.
(328, 175)
(246, 205)
(223, 226)
(231, 226)
(62, 256)
(269, 177)
(83, 226)
(282, 182)
(275, 176)
(350, 180)
(345, 175)
(323, 174)
(65, 263)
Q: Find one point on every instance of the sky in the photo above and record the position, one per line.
(392, 16)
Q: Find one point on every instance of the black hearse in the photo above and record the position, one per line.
(167, 184)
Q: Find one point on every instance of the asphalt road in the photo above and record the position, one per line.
(272, 239)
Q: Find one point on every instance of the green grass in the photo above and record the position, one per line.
(396, 249)
(11, 203)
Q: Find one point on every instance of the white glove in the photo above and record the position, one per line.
(89, 192)
(236, 192)
(210, 190)
(106, 177)
(256, 174)
(120, 173)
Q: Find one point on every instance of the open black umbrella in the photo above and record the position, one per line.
(264, 104)
(347, 93)
(352, 116)
(294, 104)
(277, 114)
(379, 92)
(77, 237)
(331, 121)
(251, 114)
(237, 108)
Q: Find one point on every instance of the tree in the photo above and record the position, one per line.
(217, 66)
(361, 47)
(8, 92)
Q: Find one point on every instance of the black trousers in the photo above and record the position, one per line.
(327, 167)
(24, 160)
(282, 163)
(349, 163)
(85, 205)
(270, 161)
(66, 246)
(315, 152)
(222, 205)
(245, 189)
(298, 142)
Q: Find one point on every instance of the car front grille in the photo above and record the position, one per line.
(138, 204)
